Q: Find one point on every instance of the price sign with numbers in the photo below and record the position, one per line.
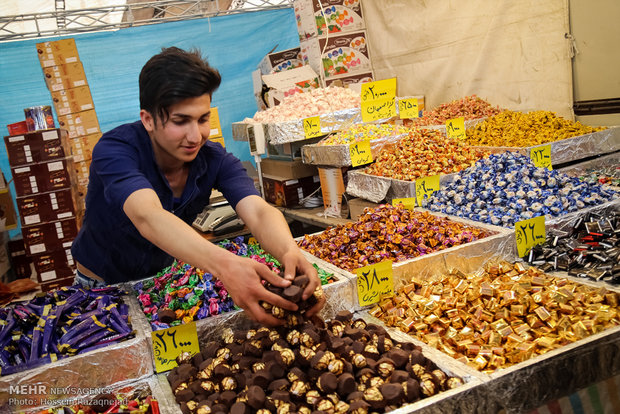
(529, 233)
(408, 108)
(425, 186)
(408, 203)
(455, 128)
(541, 156)
(312, 127)
(378, 109)
(372, 91)
(169, 343)
(360, 153)
(374, 281)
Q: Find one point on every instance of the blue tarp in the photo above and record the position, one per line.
(233, 44)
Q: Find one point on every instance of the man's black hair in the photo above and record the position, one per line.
(173, 76)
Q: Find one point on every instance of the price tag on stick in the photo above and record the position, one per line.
(426, 186)
(169, 343)
(455, 128)
(360, 153)
(408, 108)
(541, 156)
(312, 127)
(374, 282)
(529, 233)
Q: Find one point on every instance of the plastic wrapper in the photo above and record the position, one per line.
(607, 166)
(572, 149)
(376, 189)
(292, 131)
(339, 155)
(130, 359)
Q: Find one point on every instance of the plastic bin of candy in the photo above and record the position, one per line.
(440, 384)
(107, 362)
(603, 170)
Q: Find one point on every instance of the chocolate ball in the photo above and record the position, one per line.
(346, 384)
(392, 392)
(256, 397)
(328, 382)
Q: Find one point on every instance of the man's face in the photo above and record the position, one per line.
(183, 134)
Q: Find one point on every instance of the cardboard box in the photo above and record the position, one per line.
(66, 76)
(58, 52)
(357, 206)
(43, 177)
(216, 126)
(281, 85)
(70, 101)
(38, 146)
(287, 169)
(58, 283)
(45, 237)
(316, 18)
(343, 54)
(82, 171)
(8, 217)
(20, 262)
(41, 208)
(281, 61)
(82, 147)
(53, 265)
(288, 193)
(80, 123)
(350, 81)
(289, 151)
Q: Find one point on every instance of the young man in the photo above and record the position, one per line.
(149, 179)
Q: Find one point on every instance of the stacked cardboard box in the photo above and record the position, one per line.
(65, 78)
(44, 179)
(286, 183)
(333, 40)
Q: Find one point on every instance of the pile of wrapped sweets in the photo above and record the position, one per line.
(423, 153)
(388, 233)
(61, 323)
(344, 365)
(506, 188)
(519, 129)
(469, 107)
(500, 315)
(590, 249)
(364, 132)
(312, 103)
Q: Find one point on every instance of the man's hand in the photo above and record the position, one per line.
(242, 278)
(295, 264)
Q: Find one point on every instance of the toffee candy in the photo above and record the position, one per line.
(380, 386)
(506, 188)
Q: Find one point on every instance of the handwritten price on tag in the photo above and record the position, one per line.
(425, 186)
(455, 128)
(378, 109)
(374, 282)
(360, 153)
(383, 89)
(312, 127)
(408, 108)
(529, 233)
(541, 156)
(408, 203)
(169, 343)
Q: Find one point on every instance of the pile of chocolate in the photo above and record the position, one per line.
(591, 249)
(293, 293)
(343, 365)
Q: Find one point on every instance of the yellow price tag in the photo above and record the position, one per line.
(455, 128)
(425, 186)
(541, 156)
(252, 240)
(379, 109)
(408, 203)
(312, 127)
(374, 282)
(169, 343)
(529, 233)
(360, 153)
(408, 108)
(372, 91)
